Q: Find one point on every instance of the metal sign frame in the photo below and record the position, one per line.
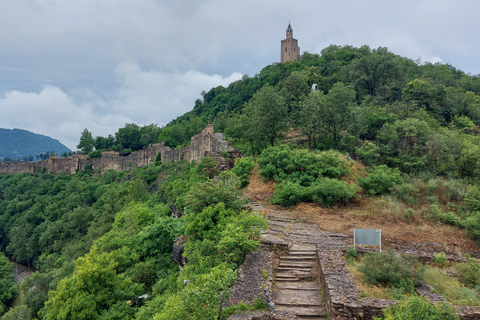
(371, 237)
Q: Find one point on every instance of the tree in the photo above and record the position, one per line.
(336, 112)
(129, 137)
(86, 141)
(266, 113)
(310, 120)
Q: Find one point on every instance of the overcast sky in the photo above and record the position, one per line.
(66, 65)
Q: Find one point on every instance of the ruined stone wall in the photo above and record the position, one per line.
(205, 143)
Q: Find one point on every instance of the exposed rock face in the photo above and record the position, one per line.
(204, 144)
(178, 249)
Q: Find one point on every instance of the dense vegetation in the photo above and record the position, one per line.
(102, 241)
(27, 146)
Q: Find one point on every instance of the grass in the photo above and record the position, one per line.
(368, 290)
(450, 288)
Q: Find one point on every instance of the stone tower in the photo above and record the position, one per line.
(290, 50)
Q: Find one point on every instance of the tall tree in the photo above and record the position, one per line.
(310, 116)
(266, 113)
(86, 141)
(336, 112)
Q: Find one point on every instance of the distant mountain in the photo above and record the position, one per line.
(19, 143)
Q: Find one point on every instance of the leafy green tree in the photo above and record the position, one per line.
(129, 137)
(266, 115)
(310, 116)
(336, 112)
(86, 141)
(203, 299)
(295, 88)
(8, 285)
(93, 288)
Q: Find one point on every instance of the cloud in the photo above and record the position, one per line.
(143, 97)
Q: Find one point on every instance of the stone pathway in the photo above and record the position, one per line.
(295, 280)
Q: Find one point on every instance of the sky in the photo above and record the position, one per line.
(99, 64)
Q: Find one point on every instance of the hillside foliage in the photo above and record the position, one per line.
(99, 242)
(27, 146)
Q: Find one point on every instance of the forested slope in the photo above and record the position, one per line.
(101, 241)
(25, 145)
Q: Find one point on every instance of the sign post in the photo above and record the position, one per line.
(371, 237)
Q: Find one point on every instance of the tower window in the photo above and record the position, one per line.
(285, 49)
(293, 49)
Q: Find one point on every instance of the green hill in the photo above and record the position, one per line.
(17, 144)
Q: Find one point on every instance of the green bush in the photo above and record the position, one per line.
(289, 194)
(470, 272)
(95, 154)
(417, 307)
(404, 191)
(440, 259)
(351, 253)
(158, 159)
(471, 225)
(328, 192)
(472, 198)
(242, 170)
(301, 166)
(388, 270)
(380, 180)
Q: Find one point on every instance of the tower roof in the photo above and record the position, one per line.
(289, 28)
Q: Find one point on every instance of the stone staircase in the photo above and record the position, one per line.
(295, 285)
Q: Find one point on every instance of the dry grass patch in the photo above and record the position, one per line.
(257, 189)
(450, 288)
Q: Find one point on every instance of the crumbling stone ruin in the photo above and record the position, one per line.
(204, 144)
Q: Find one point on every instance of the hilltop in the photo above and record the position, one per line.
(385, 142)
(18, 143)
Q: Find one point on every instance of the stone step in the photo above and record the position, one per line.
(301, 269)
(296, 252)
(298, 258)
(297, 298)
(308, 256)
(297, 285)
(296, 264)
(305, 313)
(285, 275)
(302, 247)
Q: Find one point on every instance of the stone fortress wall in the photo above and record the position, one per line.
(205, 143)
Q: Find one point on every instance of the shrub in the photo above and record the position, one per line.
(470, 272)
(158, 159)
(472, 198)
(471, 225)
(289, 194)
(388, 270)
(95, 154)
(328, 191)
(242, 169)
(301, 166)
(404, 191)
(408, 214)
(440, 259)
(351, 253)
(417, 307)
(380, 180)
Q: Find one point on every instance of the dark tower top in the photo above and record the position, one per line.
(289, 31)
(289, 50)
